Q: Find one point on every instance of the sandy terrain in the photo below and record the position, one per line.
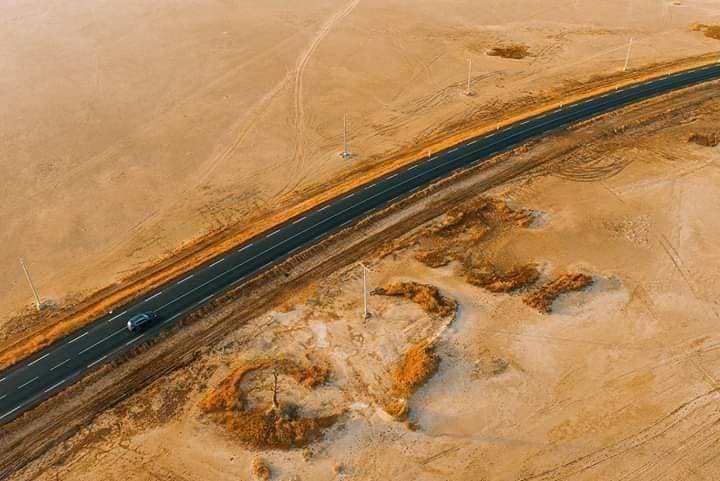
(618, 381)
(129, 131)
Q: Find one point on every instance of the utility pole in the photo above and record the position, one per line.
(366, 314)
(468, 91)
(345, 154)
(627, 57)
(32, 286)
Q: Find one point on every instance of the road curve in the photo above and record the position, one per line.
(46, 372)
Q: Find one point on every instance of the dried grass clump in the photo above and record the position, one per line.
(707, 139)
(434, 258)
(418, 364)
(511, 280)
(543, 298)
(277, 426)
(426, 296)
(516, 51)
(710, 31)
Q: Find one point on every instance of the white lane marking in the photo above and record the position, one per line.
(116, 316)
(168, 320)
(208, 297)
(392, 176)
(1, 380)
(413, 167)
(187, 278)
(474, 141)
(39, 359)
(11, 411)
(523, 123)
(216, 262)
(346, 223)
(453, 150)
(327, 206)
(153, 296)
(58, 365)
(371, 186)
(135, 339)
(350, 195)
(81, 335)
(95, 362)
(3, 397)
(103, 340)
(270, 235)
(300, 219)
(55, 385)
(246, 247)
(30, 381)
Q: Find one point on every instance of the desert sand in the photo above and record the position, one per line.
(128, 131)
(619, 380)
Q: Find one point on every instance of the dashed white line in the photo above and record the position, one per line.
(38, 359)
(102, 340)
(3, 397)
(58, 365)
(474, 141)
(187, 278)
(134, 340)
(273, 233)
(55, 385)
(413, 167)
(453, 150)
(116, 316)
(11, 411)
(327, 206)
(350, 195)
(30, 381)
(300, 219)
(216, 262)
(371, 185)
(1, 380)
(81, 335)
(153, 296)
(95, 362)
(393, 176)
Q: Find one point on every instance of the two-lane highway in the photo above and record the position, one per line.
(48, 371)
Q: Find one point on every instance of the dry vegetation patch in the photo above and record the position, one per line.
(426, 296)
(515, 51)
(706, 139)
(710, 31)
(494, 280)
(543, 298)
(418, 364)
(276, 425)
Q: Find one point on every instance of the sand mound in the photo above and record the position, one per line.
(434, 258)
(543, 298)
(276, 426)
(706, 139)
(517, 51)
(260, 469)
(426, 296)
(511, 280)
(418, 365)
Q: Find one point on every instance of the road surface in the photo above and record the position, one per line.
(55, 367)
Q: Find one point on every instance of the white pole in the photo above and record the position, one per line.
(627, 57)
(29, 279)
(345, 154)
(468, 92)
(366, 314)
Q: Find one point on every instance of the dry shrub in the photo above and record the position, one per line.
(273, 427)
(710, 31)
(543, 298)
(418, 364)
(434, 258)
(426, 296)
(706, 139)
(511, 280)
(260, 469)
(515, 51)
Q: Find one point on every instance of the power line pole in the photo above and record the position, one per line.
(32, 286)
(366, 314)
(468, 91)
(627, 57)
(345, 154)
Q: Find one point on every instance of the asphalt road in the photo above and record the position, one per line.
(48, 371)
